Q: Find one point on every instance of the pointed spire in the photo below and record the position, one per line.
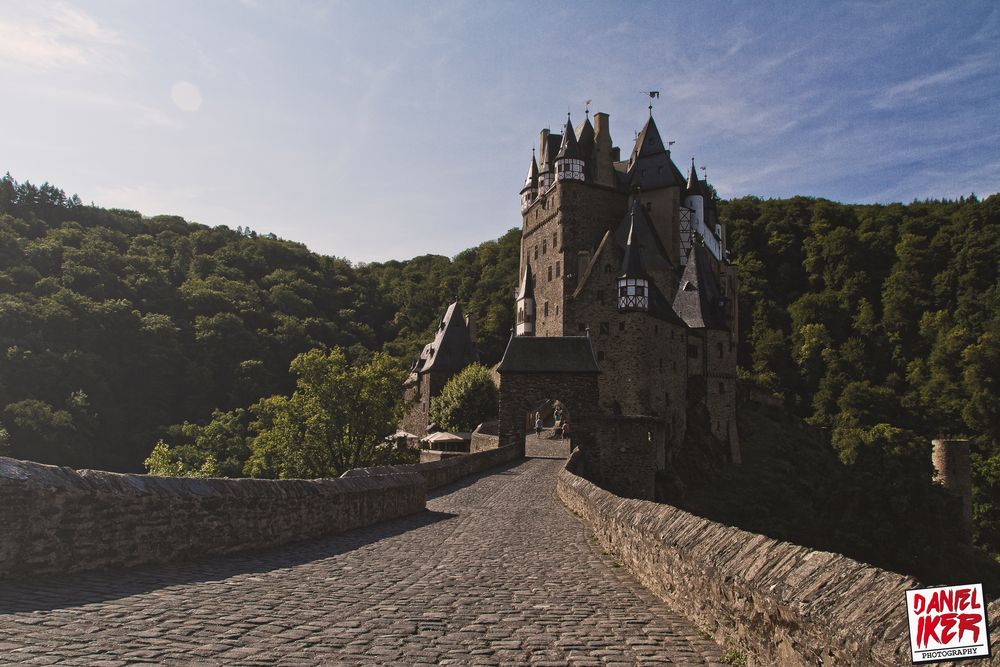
(527, 289)
(532, 180)
(632, 262)
(692, 184)
(569, 147)
(648, 142)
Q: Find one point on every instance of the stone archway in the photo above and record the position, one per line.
(534, 370)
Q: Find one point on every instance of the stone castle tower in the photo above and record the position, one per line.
(631, 253)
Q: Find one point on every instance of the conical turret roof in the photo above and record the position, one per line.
(569, 147)
(632, 262)
(527, 288)
(692, 183)
(532, 180)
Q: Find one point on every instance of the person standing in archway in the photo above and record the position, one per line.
(565, 430)
(538, 426)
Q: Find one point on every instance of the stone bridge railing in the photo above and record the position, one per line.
(58, 519)
(787, 604)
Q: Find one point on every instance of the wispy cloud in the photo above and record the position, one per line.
(924, 86)
(51, 35)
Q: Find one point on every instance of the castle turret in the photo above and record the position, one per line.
(569, 162)
(525, 305)
(695, 202)
(633, 282)
(530, 190)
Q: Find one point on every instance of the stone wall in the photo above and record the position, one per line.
(485, 437)
(445, 471)
(61, 520)
(785, 604)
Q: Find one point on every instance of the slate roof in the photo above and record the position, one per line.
(548, 354)
(453, 348)
(532, 180)
(527, 288)
(585, 139)
(654, 255)
(697, 298)
(650, 166)
(569, 147)
(697, 187)
(632, 262)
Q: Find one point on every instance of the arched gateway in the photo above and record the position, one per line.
(534, 370)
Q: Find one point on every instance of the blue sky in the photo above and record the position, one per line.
(376, 130)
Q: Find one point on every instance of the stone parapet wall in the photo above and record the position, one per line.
(445, 471)
(786, 604)
(57, 519)
(482, 442)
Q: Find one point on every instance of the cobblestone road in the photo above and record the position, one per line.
(496, 572)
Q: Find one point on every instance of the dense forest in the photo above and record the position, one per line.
(117, 329)
(879, 325)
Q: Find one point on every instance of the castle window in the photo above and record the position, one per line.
(536, 251)
(557, 309)
(557, 275)
(555, 237)
(621, 325)
(550, 274)
(693, 351)
(545, 246)
(545, 311)
(605, 328)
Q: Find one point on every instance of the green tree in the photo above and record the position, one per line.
(469, 398)
(337, 418)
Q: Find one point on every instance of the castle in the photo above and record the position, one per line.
(626, 310)
(631, 254)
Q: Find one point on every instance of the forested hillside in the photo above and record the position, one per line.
(880, 324)
(114, 326)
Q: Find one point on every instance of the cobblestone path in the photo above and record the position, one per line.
(496, 572)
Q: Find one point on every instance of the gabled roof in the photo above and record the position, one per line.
(659, 305)
(569, 147)
(698, 296)
(548, 354)
(453, 348)
(650, 166)
(527, 288)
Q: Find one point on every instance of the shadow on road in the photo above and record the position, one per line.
(73, 590)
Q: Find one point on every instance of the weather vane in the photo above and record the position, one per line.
(653, 95)
(586, 110)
